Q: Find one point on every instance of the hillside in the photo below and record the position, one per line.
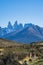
(16, 54)
(6, 43)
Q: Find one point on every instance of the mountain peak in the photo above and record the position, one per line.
(28, 25)
(9, 25)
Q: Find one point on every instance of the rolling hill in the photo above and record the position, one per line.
(7, 43)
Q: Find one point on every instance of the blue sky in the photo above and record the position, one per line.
(24, 11)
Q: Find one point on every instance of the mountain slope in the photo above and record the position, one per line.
(27, 35)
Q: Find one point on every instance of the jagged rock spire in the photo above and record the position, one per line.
(9, 25)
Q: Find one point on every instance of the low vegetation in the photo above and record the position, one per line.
(12, 53)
